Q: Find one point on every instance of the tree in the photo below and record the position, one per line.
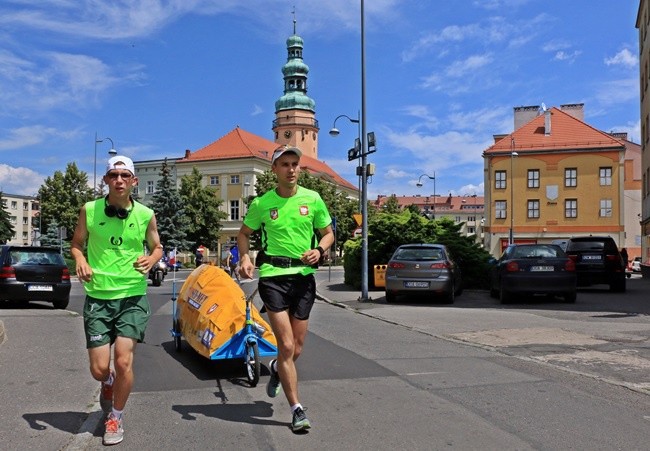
(6, 228)
(173, 223)
(339, 207)
(202, 206)
(61, 198)
(391, 205)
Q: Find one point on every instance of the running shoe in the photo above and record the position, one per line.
(114, 431)
(273, 387)
(106, 396)
(299, 421)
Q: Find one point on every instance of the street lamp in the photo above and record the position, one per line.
(357, 143)
(419, 185)
(513, 154)
(112, 151)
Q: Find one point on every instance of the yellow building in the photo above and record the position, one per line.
(553, 178)
(643, 24)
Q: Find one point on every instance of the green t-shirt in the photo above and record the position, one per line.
(287, 226)
(113, 246)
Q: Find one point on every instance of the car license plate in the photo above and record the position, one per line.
(413, 284)
(39, 288)
(541, 268)
(591, 257)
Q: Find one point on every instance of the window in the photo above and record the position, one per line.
(605, 208)
(14, 205)
(571, 177)
(150, 187)
(135, 190)
(571, 208)
(26, 206)
(12, 220)
(458, 219)
(234, 210)
(234, 179)
(500, 180)
(533, 178)
(25, 221)
(500, 207)
(533, 208)
(214, 180)
(605, 176)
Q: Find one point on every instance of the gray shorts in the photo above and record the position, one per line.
(293, 292)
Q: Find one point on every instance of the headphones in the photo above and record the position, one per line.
(112, 211)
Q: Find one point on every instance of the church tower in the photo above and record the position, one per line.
(295, 123)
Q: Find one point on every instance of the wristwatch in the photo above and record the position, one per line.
(321, 250)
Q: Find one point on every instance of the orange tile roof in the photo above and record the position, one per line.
(242, 144)
(567, 133)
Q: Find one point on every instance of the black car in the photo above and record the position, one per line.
(598, 261)
(532, 269)
(34, 273)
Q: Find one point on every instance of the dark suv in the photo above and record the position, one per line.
(34, 273)
(598, 261)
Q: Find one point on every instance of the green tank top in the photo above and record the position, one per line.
(287, 226)
(113, 246)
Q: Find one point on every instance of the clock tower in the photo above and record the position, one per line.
(295, 123)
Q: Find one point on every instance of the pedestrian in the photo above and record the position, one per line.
(198, 257)
(113, 270)
(288, 216)
(232, 260)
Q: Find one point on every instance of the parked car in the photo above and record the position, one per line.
(636, 264)
(34, 273)
(422, 269)
(598, 261)
(533, 269)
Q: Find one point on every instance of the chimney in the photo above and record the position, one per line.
(547, 123)
(576, 110)
(187, 153)
(525, 114)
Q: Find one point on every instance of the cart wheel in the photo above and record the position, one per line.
(177, 336)
(252, 363)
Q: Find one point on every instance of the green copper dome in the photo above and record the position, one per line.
(295, 79)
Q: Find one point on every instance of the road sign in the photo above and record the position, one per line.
(358, 218)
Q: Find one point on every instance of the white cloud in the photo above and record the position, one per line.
(19, 180)
(566, 56)
(462, 67)
(617, 91)
(623, 58)
(257, 110)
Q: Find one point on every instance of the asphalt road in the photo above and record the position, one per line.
(475, 375)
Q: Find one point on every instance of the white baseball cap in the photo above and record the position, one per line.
(126, 163)
(277, 153)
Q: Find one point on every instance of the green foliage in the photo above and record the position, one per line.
(388, 231)
(339, 206)
(391, 205)
(61, 198)
(173, 223)
(6, 228)
(202, 207)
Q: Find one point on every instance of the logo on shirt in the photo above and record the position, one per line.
(274, 213)
(304, 210)
(116, 241)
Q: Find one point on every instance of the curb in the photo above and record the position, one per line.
(2, 333)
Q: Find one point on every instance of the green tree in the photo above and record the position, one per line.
(166, 202)
(202, 206)
(6, 228)
(391, 205)
(61, 198)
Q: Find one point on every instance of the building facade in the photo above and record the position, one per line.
(24, 217)
(556, 177)
(642, 24)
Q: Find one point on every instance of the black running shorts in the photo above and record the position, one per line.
(294, 292)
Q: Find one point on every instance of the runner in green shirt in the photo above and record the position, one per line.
(287, 218)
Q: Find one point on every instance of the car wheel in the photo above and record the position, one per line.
(494, 292)
(390, 298)
(451, 296)
(459, 290)
(570, 297)
(61, 303)
(504, 296)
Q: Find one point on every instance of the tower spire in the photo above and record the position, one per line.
(294, 19)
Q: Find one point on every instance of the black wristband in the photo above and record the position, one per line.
(321, 250)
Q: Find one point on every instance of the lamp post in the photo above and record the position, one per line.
(357, 143)
(419, 185)
(513, 154)
(112, 151)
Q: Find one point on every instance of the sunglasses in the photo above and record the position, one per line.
(126, 176)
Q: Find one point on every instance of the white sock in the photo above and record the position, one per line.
(274, 365)
(295, 406)
(117, 413)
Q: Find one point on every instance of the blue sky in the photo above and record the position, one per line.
(162, 76)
